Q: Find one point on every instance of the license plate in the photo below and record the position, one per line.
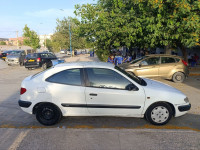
(31, 60)
(4, 57)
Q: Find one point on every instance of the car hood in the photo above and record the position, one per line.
(127, 66)
(12, 56)
(160, 91)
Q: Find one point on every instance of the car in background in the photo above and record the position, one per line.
(69, 52)
(98, 89)
(16, 57)
(37, 60)
(170, 67)
(5, 53)
(62, 51)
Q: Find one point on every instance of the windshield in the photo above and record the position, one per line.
(138, 59)
(132, 76)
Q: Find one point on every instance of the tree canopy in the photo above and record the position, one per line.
(141, 23)
(60, 39)
(31, 38)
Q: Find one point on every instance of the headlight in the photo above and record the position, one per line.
(186, 100)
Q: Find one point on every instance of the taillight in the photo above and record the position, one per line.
(22, 91)
(38, 59)
(184, 62)
(25, 60)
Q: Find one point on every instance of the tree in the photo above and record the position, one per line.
(141, 23)
(60, 39)
(2, 43)
(31, 38)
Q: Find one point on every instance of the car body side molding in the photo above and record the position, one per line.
(100, 106)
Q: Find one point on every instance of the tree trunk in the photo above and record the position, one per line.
(167, 50)
(184, 52)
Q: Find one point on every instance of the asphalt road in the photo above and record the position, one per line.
(19, 130)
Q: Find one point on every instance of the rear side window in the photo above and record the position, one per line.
(69, 77)
(165, 60)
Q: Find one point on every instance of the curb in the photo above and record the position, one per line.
(194, 74)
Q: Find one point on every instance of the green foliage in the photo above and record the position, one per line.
(49, 44)
(2, 43)
(141, 23)
(31, 38)
(61, 40)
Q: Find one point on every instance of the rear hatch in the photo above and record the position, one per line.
(31, 59)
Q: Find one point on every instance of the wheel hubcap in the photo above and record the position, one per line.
(47, 113)
(159, 114)
(178, 78)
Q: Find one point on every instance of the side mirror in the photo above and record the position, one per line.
(131, 87)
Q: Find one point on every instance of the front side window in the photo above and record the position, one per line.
(106, 78)
(165, 60)
(150, 61)
(69, 77)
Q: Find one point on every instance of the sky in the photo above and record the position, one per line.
(39, 15)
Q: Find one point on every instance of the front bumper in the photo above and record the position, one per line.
(184, 108)
(24, 104)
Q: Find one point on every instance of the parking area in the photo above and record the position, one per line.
(12, 117)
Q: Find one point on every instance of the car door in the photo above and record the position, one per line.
(67, 91)
(166, 66)
(107, 94)
(148, 67)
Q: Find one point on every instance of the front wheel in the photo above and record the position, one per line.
(159, 114)
(48, 114)
(178, 77)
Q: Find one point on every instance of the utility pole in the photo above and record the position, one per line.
(45, 42)
(17, 40)
(70, 39)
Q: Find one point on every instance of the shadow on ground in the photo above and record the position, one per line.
(11, 116)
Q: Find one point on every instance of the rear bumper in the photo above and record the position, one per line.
(24, 104)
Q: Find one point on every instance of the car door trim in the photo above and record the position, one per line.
(100, 106)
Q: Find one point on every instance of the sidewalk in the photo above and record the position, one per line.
(81, 57)
(194, 71)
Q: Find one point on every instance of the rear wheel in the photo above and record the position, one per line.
(159, 113)
(48, 114)
(178, 77)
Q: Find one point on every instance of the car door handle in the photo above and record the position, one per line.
(92, 94)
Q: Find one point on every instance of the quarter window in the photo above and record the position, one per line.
(165, 60)
(106, 78)
(70, 77)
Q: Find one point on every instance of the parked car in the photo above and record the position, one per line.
(159, 65)
(62, 51)
(68, 52)
(5, 53)
(16, 57)
(37, 60)
(98, 89)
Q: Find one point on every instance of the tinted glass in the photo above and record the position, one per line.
(150, 61)
(70, 77)
(165, 60)
(138, 59)
(51, 55)
(44, 55)
(32, 55)
(106, 78)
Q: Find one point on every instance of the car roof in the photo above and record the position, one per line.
(86, 64)
(165, 55)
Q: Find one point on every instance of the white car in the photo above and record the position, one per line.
(98, 89)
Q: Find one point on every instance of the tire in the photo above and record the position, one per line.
(48, 114)
(159, 113)
(178, 77)
(44, 66)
